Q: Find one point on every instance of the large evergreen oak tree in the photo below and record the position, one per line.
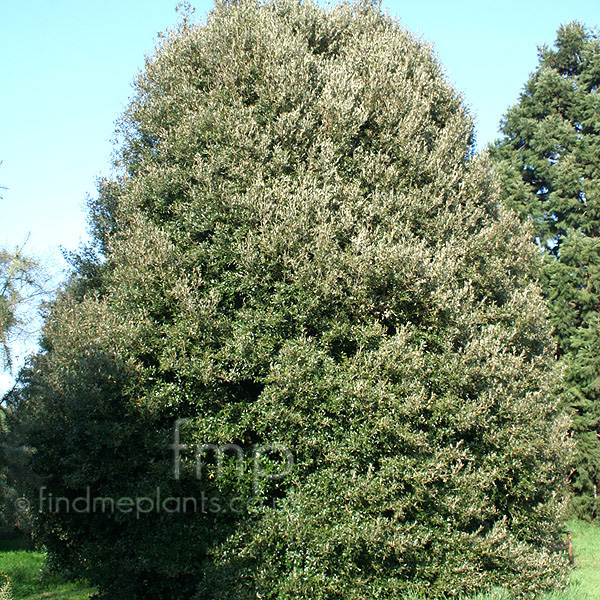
(300, 249)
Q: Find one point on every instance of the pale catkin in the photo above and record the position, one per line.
(5, 593)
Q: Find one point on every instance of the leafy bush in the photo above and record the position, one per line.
(301, 250)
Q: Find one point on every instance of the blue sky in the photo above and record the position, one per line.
(66, 69)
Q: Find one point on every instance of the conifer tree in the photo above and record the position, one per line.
(549, 163)
(301, 253)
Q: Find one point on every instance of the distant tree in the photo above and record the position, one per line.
(22, 286)
(301, 249)
(549, 163)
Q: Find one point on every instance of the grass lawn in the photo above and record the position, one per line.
(585, 582)
(585, 577)
(30, 581)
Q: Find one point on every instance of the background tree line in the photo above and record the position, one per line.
(23, 286)
(549, 165)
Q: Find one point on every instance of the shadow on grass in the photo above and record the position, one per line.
(29, 579)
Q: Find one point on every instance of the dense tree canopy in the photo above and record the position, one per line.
(301, 251)
(549, 162)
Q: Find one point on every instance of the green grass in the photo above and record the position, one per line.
(585, 577)
(29, 578)
(586, 547)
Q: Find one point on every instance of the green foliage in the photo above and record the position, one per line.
(36, 583)
(22, 288)
(7, 496)
(21, 283)
(301, 250)
(549, 163)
